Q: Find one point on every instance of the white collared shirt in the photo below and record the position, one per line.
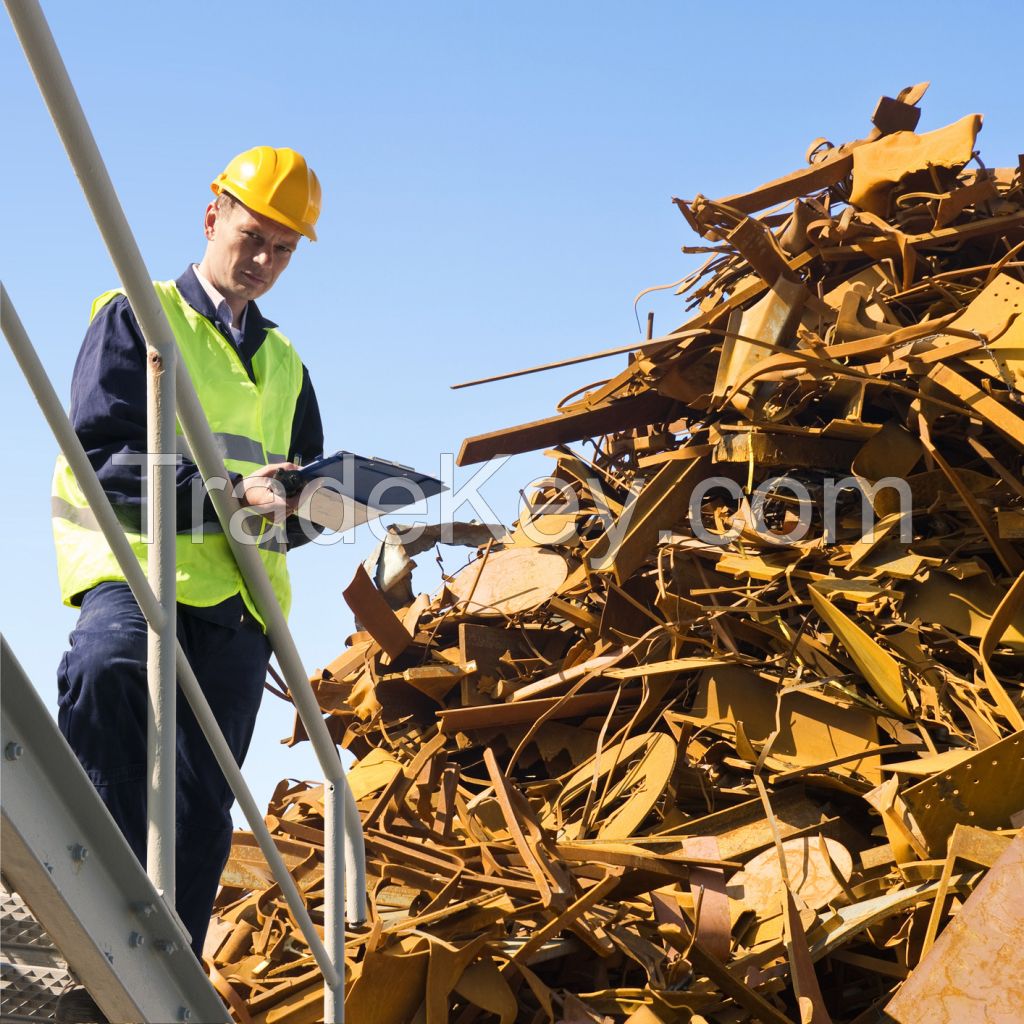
(220, 304)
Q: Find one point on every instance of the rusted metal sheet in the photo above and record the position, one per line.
(974, 974)
(986, 790)
(708, 734)
(509, 582)
(622, 415)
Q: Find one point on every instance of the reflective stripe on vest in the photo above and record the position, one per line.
(83, 517)
(271, 539)
(251, 423)
(231, 446)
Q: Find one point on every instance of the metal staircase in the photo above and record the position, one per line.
(65, 857)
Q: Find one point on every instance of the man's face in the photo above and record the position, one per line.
(245, 252)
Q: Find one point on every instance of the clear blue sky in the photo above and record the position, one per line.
(496, 182)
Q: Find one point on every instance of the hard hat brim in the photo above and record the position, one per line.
(246, 198)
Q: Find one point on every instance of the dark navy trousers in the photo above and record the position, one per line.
(102, 714)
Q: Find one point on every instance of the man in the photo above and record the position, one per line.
(261, 406)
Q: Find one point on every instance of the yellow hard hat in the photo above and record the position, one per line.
(277, 183)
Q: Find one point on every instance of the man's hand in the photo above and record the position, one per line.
(263, 494)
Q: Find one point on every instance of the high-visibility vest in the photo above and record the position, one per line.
(252, 424)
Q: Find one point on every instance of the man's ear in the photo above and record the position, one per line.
(210, 220)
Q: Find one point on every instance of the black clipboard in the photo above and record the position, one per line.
(378, 484)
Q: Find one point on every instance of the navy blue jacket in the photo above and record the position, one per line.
(108, 404)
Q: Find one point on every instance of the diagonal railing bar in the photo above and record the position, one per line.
(343, 832)
(34, 372)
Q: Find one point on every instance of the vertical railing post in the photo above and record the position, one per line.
(162, 643)
(334, 888)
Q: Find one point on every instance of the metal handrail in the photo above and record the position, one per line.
(43, 390)
(65, 109)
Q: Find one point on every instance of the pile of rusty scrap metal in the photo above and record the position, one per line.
(729, 726)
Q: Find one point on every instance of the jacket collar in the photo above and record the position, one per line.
(256, 324)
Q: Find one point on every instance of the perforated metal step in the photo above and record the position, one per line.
(32, 971)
